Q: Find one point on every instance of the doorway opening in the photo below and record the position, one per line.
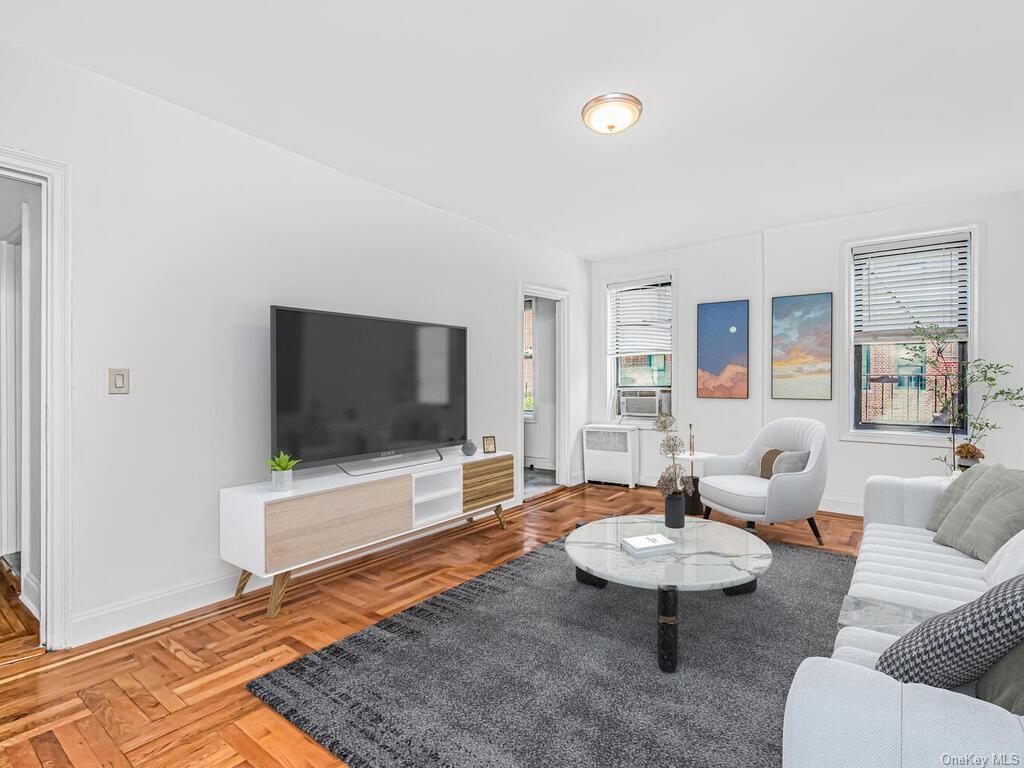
(541, 392)
(21, 281)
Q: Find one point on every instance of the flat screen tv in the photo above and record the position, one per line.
(347, 387)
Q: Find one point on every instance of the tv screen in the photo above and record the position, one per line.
(348, 387)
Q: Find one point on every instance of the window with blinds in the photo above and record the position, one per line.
(640, 318)
(897, 285)
(900, 383)
(640, 342)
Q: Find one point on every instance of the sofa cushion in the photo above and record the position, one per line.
(746, 494)
(954, 492)
(861, 646)
(959, 646)
(1007, 562)
(1003, 685)
(998, 520)
(981, 498)
(902, 566)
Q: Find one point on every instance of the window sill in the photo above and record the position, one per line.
(895, 437)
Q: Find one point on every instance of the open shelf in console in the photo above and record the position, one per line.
(436, 496)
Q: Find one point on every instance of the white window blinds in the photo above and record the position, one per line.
(640, 318)
(900, 283)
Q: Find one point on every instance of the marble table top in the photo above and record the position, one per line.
(708, 555)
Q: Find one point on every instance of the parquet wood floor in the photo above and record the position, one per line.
(172, 694)
(19, 630)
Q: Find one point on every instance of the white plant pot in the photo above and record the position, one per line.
(281, 480)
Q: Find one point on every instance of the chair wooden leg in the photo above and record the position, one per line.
(751, 526)
(707, 512)
(501, 517)
(243, 579)
(277, 591)
(814, 530)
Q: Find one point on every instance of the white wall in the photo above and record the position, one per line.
(184, 232)
(812, 258)
(539, 434)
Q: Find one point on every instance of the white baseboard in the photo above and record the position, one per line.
(576, 478)
(843, 506)
(112, 618)
(538, 462)
(30, 594)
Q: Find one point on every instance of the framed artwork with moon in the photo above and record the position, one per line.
(723, 350)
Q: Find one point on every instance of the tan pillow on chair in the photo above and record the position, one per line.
(768, 462)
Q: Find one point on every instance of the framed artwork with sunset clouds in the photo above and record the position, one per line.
(802, 347)
(723, 349)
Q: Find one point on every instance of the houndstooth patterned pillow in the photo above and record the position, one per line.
(959, 646)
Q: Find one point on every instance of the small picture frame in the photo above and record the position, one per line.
(490, 444)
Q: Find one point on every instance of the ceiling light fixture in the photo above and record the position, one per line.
(612, 112)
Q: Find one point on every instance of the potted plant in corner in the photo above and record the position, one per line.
(281, 467)
(981, 380)
(675, 484)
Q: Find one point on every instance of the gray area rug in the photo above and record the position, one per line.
(523, 666)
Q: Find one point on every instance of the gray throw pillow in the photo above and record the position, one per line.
(1000, 518)
(1003, 684)
(791, 461)
(974, 498)
(961, 645)
(954, 493)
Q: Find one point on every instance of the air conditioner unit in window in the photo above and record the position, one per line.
(639, 403)
(611, 453)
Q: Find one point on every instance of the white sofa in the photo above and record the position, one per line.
(840, 711)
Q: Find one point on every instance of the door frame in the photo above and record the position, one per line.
(561, 299)
(55, 379)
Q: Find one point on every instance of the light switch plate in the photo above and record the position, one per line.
(117, 381)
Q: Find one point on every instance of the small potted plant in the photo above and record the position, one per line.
(281, 467)
(675, 484)
(967, 455)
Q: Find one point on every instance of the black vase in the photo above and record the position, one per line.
(675, 509)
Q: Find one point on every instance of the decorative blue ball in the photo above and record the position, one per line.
(469, 447)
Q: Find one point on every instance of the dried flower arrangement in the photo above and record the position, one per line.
(674, 480)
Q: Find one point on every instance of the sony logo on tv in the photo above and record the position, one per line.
(389, 453)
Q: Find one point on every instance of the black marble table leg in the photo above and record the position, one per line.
(588, 578)
(741, 589)
(668, 628)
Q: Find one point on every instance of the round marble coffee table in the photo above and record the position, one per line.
(708, 555)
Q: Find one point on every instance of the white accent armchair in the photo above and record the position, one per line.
(733, 484)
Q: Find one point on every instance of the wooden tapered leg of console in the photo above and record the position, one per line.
(277, 591)
(243, 579)
(498, 513)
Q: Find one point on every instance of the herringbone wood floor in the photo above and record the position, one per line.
(173, 694)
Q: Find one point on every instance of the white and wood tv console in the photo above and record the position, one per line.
(328, 513)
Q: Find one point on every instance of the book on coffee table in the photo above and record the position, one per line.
(648, 546)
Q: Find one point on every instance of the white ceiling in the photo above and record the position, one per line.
(755, 113)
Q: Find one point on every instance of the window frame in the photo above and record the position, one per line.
(889, 434)
(669, 278)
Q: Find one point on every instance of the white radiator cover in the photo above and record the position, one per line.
(611, 454)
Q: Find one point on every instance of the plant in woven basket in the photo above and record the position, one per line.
(674, 480)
